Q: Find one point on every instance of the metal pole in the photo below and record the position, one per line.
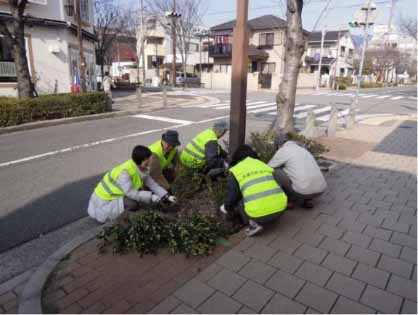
(318, 83)
(173, 31)
(363, 54)
(142, 43)
(82, 65)
(239, 77)
(336, 62)
(200, 56)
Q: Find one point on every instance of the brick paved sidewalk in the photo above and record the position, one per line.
(356, 252)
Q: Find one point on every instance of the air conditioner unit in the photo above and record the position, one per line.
(54, 49)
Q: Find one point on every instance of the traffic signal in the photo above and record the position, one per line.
(172, 14)
(354, 24)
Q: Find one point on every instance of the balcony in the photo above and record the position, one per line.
(220, 51)
(7, 69)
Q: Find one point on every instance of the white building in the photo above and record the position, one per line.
(52, 46)
(337, 55)
(382, 38)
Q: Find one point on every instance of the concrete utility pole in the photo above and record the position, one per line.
(143, 32)
(323, 33)
(239, 77)
(363, 54)
(318, 82)
(173, 31)
(82, 65)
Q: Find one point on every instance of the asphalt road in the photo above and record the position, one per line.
(48, 174)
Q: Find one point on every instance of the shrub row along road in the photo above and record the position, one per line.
(48, 174)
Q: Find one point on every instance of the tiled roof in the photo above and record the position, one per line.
(259, 23)
(329, 36)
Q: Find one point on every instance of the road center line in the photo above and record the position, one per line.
(110, 140)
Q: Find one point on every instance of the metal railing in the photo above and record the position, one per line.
(7, 69)
(220, 50)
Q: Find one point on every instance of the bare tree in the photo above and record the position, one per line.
(14, 32)
(294, 49)
(191, 17)
(384, 61)
(408, 26)
(109, 24)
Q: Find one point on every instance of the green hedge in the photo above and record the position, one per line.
(14, 111)
(372, 85)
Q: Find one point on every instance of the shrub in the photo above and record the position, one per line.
(371, 85)
(15, 111)
(148, 232)
(342, 87)
(263, 144)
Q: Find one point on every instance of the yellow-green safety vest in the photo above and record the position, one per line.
(193, 155)
(109, 189)
(157, 149)
(261, 193)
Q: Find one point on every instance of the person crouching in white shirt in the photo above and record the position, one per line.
(121, 189)
(297, 172)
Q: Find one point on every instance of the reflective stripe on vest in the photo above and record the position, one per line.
(261, 193)
(193, 156)
(109, 189)
(157, 149)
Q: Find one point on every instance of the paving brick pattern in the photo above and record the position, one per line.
(355, 252)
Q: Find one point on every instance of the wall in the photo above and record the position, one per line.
(50, 11)
(213, 80)
(8, 91)
(306, 81)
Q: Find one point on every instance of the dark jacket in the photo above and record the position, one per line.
(215, 155)
(233, 194)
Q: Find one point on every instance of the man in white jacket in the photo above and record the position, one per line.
(121, 189)
(297, 172)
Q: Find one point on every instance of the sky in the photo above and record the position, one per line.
(220, 11)
(340, 14)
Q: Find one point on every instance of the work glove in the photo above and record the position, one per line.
(172, 199)
(167, 199)
(155, 198)
(226, 165)
(222, 209)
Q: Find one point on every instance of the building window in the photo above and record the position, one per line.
(85, 10)
(342, 52)
(155, 62)
(269, 67)
(7, 65)
(90, 68)
(151, 24)
(342, 72)
(350, 53)
(192, 47)
(222, 68)
(266, 40)
(155, 40)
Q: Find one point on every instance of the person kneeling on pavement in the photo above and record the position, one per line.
(253, 190)
(205, 154)
(121, 189)
(164, 159)
(297, 172)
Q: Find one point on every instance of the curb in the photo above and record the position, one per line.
(30, 301)
(64, 121)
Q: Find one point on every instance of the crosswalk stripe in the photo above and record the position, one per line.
(267, 109)
(369, 95)
(340, 114)
(413, 97)
(397, 98)
(229, 105)
(260, 106)
(165, 119)
(383, 96)
(316, 111)
(297, 109)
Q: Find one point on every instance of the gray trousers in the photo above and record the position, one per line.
(286, 184)
(260, 220)
(130, 205)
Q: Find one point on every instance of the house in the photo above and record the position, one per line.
(52, 46)
(337, 57)
(158, 52)
(265, 53)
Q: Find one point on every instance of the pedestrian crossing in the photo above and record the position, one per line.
(367, 96)
(322, 113)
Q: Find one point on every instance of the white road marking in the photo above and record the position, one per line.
(397, 98)
(316, 111)
(369, 95)
(229, 105)
(225, 104)
(383, 96)
(267, 109)
(413, 97)
(297, 109)
(260, 106)
(165, 119)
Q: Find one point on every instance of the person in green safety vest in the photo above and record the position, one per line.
(253, 190)
(164, 159)
(204, 153)
(122, 188)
